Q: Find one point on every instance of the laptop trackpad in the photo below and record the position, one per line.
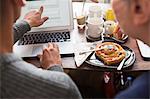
(37, 50)
(65, 48)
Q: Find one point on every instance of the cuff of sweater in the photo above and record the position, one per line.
(24, 25)
(56, 68)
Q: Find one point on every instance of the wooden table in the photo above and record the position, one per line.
(89, 79)
(139, 64)
(69, 62)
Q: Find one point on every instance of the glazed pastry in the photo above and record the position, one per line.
(110, 53)
(117, 33)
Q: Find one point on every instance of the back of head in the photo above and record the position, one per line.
(10, 11)
(134, 17)
(0, 22)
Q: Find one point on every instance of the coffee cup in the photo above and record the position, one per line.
(95, 27)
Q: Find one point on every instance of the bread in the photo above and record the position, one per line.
(117, 33)
(110, 53)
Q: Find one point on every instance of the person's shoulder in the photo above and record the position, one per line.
(138, 89)
(26, 72)
(7, 59)
(12, 61)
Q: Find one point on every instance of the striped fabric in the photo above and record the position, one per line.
(19, 29)
(22, 80)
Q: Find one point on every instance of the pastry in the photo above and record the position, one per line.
(110, 53)
(117, 33)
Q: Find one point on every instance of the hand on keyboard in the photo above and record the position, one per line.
(50, 56)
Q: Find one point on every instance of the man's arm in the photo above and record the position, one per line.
(138, 89)
(24, 80)
(19, 29)
(31, 19)
(56, 68)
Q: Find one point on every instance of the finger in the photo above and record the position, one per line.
(39, 56)
(56, 46)
(41, 9)
(53, 45)
(50, 46)
(45, 53)
(44, 19)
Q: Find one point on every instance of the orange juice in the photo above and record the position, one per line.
(110, 16)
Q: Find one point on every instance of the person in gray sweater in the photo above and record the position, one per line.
(19, 79)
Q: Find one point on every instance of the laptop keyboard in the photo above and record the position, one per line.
(44, 37)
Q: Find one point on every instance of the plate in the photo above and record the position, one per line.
(94, 61)
(113, 39)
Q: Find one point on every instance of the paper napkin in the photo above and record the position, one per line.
(80, 58)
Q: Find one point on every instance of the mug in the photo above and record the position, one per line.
(95, 27)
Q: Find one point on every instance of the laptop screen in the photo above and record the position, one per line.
(58, 11)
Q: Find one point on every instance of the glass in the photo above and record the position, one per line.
(95, 11)
(81, 19)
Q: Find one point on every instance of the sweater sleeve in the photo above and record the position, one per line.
(19, 29)
(20, 79)
(138, 90)
(56, 68)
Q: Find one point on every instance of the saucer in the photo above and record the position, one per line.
(92, 39)
(113, 39)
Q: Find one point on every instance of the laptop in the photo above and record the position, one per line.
(56, 30)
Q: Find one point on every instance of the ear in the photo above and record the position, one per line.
(140, 9)
(20, 2)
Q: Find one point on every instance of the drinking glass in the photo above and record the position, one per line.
(81, 19)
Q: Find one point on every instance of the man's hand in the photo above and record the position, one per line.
(34, 18)
(50, 56)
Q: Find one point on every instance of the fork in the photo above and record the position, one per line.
(84, 52)
(122, 62)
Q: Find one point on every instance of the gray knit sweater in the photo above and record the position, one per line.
(19, 79)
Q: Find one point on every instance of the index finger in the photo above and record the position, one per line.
(45, 53)
(41, 9)
(50, 46)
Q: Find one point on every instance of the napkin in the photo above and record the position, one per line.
(80, 58)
